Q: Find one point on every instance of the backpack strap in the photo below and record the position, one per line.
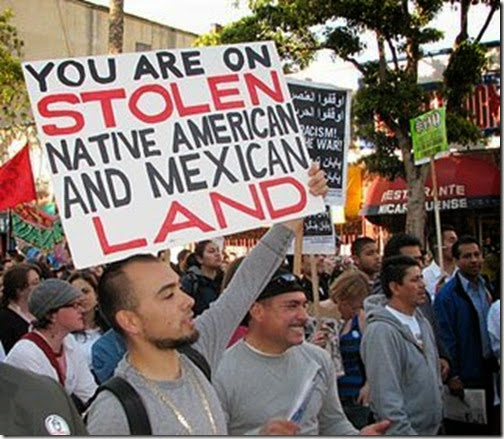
(198, 359)
(138, 419)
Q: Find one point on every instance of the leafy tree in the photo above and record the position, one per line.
(390, 94)
(16, 120)
(15, 115)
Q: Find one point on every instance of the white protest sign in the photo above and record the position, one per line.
(318, 235)
(156, 149)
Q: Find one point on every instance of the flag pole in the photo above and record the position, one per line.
(315, 291)
(298, 251)
(437, 218)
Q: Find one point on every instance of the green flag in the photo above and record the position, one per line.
(428, 133)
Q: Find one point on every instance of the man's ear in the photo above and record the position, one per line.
(355, 260)
(129, 321)
(256, 311)
(394, 287)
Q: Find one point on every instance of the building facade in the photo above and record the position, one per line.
(72, 28)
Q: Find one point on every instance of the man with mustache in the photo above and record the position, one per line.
(142, 299)
(461, 309)
(260, 380)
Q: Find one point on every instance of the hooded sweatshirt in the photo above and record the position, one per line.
(403, 374)
(201, 288)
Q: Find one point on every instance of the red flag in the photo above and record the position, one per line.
(16, 180)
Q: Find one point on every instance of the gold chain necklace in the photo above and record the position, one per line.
(154, 388)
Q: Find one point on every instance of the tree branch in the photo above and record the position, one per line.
(359, 66)
(394, 53)
(487, 22)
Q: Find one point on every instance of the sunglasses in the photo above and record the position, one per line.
(285, 279)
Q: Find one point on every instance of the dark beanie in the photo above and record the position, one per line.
(283, 281)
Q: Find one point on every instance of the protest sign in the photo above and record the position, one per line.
(428, 134)
(324, 115)
(471, 409)
(33, 227)
(308, 384)
(318, 234)
(156, 149)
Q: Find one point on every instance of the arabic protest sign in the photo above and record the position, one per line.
(428, 133)
(155, 149)
(324, 115)
(318, 234)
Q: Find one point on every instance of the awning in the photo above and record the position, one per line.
(464, 182)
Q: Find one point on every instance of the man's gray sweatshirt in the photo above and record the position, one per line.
(403, 374)
(215, 325)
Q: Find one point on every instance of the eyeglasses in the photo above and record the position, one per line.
(74, 305)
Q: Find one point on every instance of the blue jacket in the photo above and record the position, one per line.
(106, 352)
(459, 329)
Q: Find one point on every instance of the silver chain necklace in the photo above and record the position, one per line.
(163, 397)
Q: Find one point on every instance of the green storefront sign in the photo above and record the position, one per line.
(428, 133)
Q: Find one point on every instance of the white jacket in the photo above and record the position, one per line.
(79, 380)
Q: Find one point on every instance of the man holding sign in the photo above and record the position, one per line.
(141, 298)
(203, 142)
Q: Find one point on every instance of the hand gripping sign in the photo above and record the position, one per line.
(155, 149)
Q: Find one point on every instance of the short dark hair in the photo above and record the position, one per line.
(114, 289)
(432, 239)
(16, 279)
(465, 239)
(393, 270)
(397, 242)
(360, 243)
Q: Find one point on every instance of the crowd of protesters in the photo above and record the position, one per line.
(391, 348)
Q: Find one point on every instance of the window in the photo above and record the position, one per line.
(142, 47)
